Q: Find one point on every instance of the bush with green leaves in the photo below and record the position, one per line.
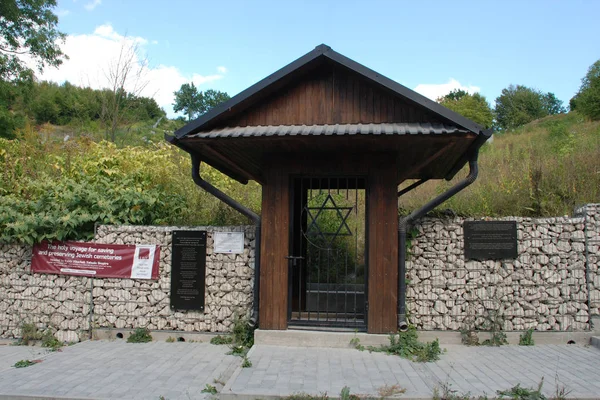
(57, 190)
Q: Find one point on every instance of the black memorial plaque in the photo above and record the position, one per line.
(188, 270)
(490, 240)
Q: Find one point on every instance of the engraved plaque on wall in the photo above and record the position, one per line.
(490, 240)
(188, 270)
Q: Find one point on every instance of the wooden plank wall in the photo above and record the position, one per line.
(331, 95)
(274, 247)
(380, 170)
(383, 246)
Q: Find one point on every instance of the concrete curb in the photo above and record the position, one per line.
(226, 390)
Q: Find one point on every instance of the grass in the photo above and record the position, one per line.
(544, 168)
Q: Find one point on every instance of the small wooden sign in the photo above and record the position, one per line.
(490, 240)
(188, 270)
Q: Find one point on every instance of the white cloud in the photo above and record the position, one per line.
(63, 13)
(154, 42)
(222, 70)
(91, 55)
(435, 91)
(93, 4)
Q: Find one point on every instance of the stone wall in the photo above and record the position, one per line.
(551, 286)
(72, 304)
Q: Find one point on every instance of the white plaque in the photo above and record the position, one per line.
(229, 242)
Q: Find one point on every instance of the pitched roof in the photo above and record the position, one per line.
(279, 78)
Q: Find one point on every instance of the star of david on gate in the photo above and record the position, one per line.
(342, 213)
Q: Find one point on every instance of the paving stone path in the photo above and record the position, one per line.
(282, 371)
(118, 370)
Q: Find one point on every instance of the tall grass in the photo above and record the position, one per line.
(545, 168)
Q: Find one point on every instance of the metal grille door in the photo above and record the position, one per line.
(327, 258)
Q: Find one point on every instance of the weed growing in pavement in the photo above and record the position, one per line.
(23, 364)
(520, 393)
(496, 323)
(220, 339)
(209, 389)
(445, 392)
(468, 334)
(406, 345)
(219, 381)
(306, 396)
(50, 341)
(356, 344)
(241, 339)
(390, 391)
(560, 392)
(170, 340)
(29, 332)
(526, 339)
(469, 337)
(140, 335)
(246, 363)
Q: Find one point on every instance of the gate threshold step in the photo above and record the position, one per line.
(302, 337)
(319, 338)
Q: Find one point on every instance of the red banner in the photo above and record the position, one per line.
(96, 260)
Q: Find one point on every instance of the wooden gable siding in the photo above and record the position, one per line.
(331, 95)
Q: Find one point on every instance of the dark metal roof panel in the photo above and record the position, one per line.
(330, 130)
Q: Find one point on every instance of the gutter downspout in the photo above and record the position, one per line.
(405, 222)
(208, 187)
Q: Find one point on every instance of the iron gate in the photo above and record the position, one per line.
(327, 261)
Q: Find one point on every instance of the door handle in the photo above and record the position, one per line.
(294, 259)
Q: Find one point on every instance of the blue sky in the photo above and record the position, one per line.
(430, 46)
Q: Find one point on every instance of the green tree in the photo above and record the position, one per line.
(519, 105)
(587, 100)
(455, 94)
(473, 106)
(212, 98)
(188, 100)
(28, 27)
(552, 104)
(191, 101)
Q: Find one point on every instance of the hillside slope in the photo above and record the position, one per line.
(544, 168)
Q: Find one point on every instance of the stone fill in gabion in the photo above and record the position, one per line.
(63, 302)
(545, 288)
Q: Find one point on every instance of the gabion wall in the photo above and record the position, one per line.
(553, 285)
(72, 305)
